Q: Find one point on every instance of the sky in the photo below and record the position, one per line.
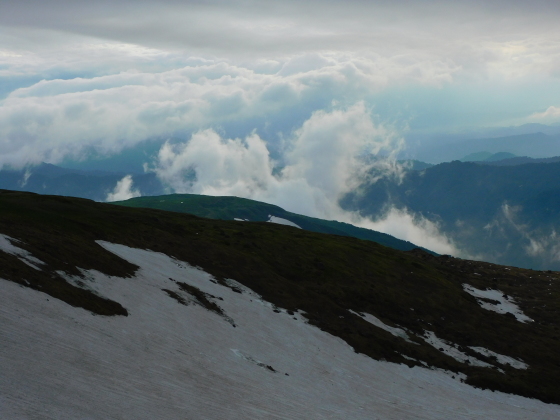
(265, 99)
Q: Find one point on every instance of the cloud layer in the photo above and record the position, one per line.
(53, 119)
(324, 159)
(78, 75)
(321, 162)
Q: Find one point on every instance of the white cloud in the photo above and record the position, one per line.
(550, 116)
(416, 229)
(103, 77)
(223, 167)
(323, 161)
(123, 190)
(53, 119)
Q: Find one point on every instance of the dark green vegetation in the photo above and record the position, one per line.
(201, 297)
(198, 297)
(229, 208)
(504, 214)
(322, 275)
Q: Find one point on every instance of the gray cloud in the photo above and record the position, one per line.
(53, 119)
(249, 28)
(117, 73)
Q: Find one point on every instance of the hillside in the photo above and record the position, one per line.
(230, 208)
(234, 317)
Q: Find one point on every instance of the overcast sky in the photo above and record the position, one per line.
(110, 74)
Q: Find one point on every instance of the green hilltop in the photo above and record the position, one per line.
(230, 208)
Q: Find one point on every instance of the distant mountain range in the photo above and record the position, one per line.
(520, 160)
(498, 159)
(504, 214)
(487, 157)
(534, 145)
(95, 185)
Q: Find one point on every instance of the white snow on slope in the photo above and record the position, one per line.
(170, 361)
(505, 304)
(504, 360)
(444, 346)
(7, 245)
(397, 332)
(451, 350)
(280, 221)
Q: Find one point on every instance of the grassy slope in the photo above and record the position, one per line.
(322, 275)
(228, 208)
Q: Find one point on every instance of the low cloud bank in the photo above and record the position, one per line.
(68, 118)
(550, 116)
(328, 156)
(413, 228)
(123, 190)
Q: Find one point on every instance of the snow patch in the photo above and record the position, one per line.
(504, 304)
(451, 350)
(397, 332)
(503, 360)
(280, 221)
(7, 245)
(412, 359)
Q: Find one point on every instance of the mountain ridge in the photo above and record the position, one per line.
(230, 208)
(344, 286)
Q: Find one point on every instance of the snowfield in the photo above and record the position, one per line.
(168, 360)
